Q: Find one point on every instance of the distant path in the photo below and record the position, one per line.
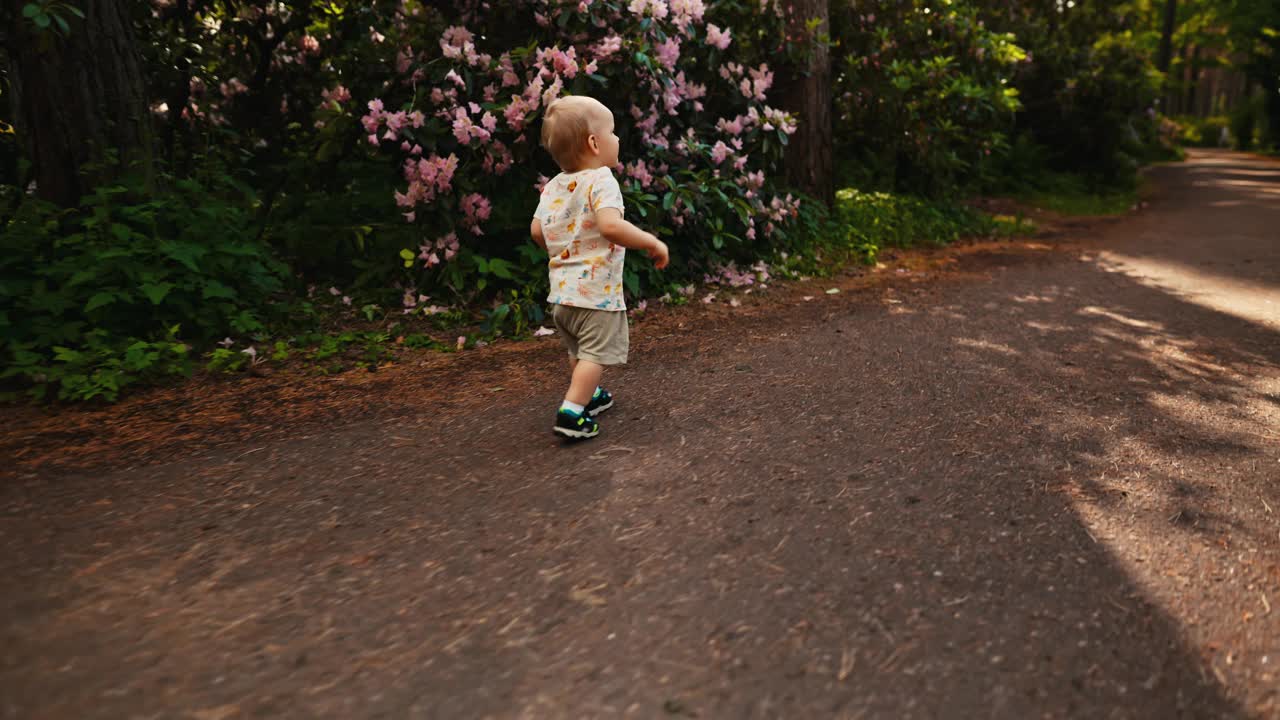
(1050, 493)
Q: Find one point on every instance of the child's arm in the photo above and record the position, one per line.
(620, 232)
(536, 231)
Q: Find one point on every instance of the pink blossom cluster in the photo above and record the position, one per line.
(334, 98)
(718, 38)
(475, 210)
(733, 277)
(395, 122)
(458, 43)
(427, 177)
(656, 9)
(447, 245)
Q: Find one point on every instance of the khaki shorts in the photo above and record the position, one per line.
(598, 336)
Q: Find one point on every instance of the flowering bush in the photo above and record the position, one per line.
(450, 96)
(460, 115)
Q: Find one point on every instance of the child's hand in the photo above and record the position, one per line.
(658, 252)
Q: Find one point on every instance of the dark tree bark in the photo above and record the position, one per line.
(78, 97)
(1193, 79)
(807, 93)
(1166, 35)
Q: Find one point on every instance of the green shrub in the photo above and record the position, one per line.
(1244, 123)
(1204, 132)
(112, 293)
(872, 221)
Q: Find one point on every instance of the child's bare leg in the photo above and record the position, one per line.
(586, 376)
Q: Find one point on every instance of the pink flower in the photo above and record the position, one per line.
(653, 8)
(453, 77)
(668, 52)
(640, 172)
(462, 127)
(475, 209)
(338, 94)
(607, 47)
(718, 38)
(719, 152)
(396, 121)
(687, 11)
(309, 45)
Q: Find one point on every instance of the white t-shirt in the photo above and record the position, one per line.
(585, 269)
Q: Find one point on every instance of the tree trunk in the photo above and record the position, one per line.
(1193, 79)
(807, 93)
(78, 97)
(1166, 35)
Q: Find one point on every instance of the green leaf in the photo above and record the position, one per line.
(67, 355)
(100, 300)
(668, 200)
(407, 254)
(156, 292)
(215, 289)
(501, 268)
(186, 253)
(62, 24)
(30, 10)
(42, 21)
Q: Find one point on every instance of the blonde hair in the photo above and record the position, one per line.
(566, 126)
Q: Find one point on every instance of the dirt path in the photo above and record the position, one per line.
(1048, 489)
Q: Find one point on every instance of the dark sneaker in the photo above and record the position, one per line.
(573, 425)
(600, 402)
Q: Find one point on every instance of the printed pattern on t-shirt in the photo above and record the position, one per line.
(584, 268)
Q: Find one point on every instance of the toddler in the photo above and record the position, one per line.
(579, 223)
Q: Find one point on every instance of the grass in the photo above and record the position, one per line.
(1072, 195)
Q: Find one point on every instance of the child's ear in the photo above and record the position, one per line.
(593, 144)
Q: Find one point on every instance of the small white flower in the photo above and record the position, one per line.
(543, 332)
